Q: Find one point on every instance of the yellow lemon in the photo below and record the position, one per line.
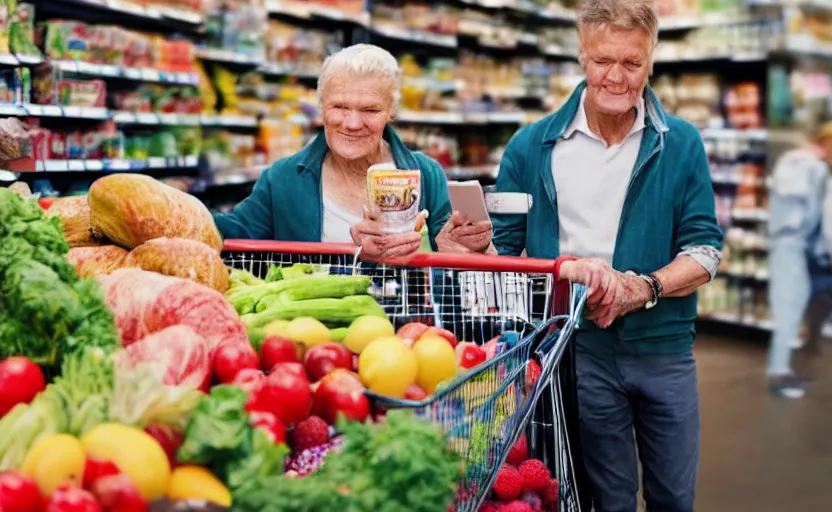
(437, 362)
(388, 367)
(366, 329)
(308, 331)
(55, 460)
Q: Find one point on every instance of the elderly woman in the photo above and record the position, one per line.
(320, 193)
(615, 179)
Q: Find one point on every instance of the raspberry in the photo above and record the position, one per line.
(516, 506)
(309, 433)
(509, 483)
(519, 452)
(535, 475)
(551, 494)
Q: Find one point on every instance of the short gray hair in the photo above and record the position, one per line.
(363, 59)
(622, 14)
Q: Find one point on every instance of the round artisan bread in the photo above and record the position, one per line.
(131, 209)
(180, 257)
(74, 212)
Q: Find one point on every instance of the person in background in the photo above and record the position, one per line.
(800, 233)
(320, 193)
(615, 179)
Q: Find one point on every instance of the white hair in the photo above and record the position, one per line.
(363, 60)
(622, 14)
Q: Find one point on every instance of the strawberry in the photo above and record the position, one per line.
(309, 433)
(519, 452)
(509, 483)
(489, 506)
(551, 494)
(535, 475)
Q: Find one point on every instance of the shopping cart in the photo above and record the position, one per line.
(481, 299)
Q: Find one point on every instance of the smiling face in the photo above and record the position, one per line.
(618, 64)
(355, 111)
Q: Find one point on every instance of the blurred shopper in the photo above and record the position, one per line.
(616, 179)
(320, 193)
(800, 233)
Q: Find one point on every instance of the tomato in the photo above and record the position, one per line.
(270, 424)
(72, 499)
(19, 493)
(20, 381)
(230, 358)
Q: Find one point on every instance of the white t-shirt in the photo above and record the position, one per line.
(592, 180)
(337, 222)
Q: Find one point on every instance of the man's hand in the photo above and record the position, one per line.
(632, 294)
(599, 278)
(376, 243)
(462, 236)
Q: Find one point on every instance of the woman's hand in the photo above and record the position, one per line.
(460, 235)
(376, 243)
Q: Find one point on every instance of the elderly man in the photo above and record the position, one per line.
(615, 179)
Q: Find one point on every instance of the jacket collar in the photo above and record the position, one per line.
(556, 126)
(312, 156)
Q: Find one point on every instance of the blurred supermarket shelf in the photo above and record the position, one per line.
(229, 57)
(456, 118)
(116, 164)
(754, 215)
(129, 73)
(733, 319)
(309, 10)
(735, 134)
(472, 173)
(416, 36)
(155, 14)
(122, 117)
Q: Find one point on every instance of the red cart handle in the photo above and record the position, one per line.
(452, 261)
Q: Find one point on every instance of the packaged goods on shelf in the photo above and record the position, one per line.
(15, 85)
(18, 34)
(298, 50)
(237, 26)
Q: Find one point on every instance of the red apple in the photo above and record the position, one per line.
(117, 493)
(249, 379)
(278, 350)
(270, 424)
(415, 393)
(96, 469)
(18, 492)
(285, 393)
(72, 498)
(469, 355)
(323, 359)
(230, 358)
(412, 331)
(341, 392)
(442, 333)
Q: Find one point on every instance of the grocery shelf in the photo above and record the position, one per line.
(156, 16)
(416, 36)
(229, 57)
(276, 69)
(733, 319)
(458, 118)
(129, 73)
(124, 117)
(31, 110)
(733, 133)
(305, 10)
(116, 164)
(472, 172)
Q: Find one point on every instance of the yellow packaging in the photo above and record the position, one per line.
(396, 195)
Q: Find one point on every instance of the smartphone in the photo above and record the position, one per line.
(467, 197)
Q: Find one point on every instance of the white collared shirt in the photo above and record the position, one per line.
(591, 180)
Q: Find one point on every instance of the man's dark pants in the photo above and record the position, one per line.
(646, 401)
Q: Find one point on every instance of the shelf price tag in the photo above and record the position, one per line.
(76, 165)
(147, 118)
(150, 75)
(94, 165)
(156, 163)
(52, 111)
(132, 73)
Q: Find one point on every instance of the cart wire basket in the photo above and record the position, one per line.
(514, 307)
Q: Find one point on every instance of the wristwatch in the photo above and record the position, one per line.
(655, 286)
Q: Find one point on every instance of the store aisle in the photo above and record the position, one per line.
(760, 453)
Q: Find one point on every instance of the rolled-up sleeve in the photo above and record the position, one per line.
(699, 235)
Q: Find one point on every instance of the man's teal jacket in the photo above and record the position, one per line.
(287, 202)
(669, 207)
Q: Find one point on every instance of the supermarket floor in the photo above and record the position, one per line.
(761, 453)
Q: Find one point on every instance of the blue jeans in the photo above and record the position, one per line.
(789, 291)
(655, 396)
